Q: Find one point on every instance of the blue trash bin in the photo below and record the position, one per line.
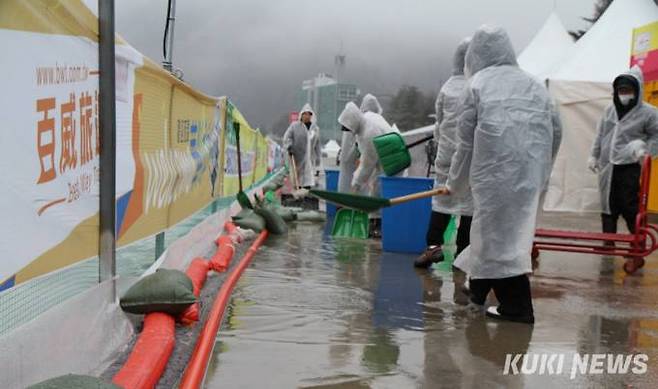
(404, 226)
(331, 183)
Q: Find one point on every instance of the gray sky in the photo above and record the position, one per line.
(258, 52)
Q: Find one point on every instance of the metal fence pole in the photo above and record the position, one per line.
(107, 118)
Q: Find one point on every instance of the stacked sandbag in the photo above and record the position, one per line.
(276, 182)
(250, 220)
(166, 290)
(288, 214)
(311, 216)
(274, 222)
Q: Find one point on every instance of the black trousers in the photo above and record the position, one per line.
(623, 199)
(512, 293)
(438, 224)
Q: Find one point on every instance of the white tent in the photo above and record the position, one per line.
(581, 87)
(548, 48)
(330, 149)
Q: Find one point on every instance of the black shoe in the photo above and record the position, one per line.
(375, 228)
(493, 313)
(375, 233)
(430, 256)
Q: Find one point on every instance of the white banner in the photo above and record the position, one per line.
(49, 144)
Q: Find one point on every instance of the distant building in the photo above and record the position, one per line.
(328, 98)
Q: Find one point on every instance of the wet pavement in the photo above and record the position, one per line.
(314, 312)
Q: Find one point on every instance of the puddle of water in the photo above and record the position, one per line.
(314, 312)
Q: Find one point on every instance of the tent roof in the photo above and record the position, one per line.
(331, 145)
(604, 51)
(550, 45)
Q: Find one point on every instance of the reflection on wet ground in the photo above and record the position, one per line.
(315, 312)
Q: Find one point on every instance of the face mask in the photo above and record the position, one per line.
(626, 99)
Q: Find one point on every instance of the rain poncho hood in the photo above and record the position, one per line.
(459, 59)
(370, 104)
(304, 145)
(307, 108)
(622, 141)
(490, 46)
(634, 79)
(508, 136)
(351, 118)
(448, 108)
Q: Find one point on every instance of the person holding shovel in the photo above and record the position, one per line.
(508, 136)
(448, 108)
(349, 151)
(365, 127)
(302, 142)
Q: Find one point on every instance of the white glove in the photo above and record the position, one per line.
(638, 148)
(640, 153)
(593, 165)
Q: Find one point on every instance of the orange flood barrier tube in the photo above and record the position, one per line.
(222, 258)
(225, 248)
(196, 368)
(150, 355)
(232, 231)
(198, 272)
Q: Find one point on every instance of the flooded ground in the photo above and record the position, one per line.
(314, 312)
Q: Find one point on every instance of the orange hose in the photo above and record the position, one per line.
(196, 368)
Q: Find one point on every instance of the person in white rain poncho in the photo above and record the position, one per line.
(448, 108)
(302, 142)
(349, 152)
(627, 132)
(366, 126)
(509, 134)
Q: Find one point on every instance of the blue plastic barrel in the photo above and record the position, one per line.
(331, 183)
(404, 226)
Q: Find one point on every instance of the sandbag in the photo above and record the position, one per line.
(271, 186)
(244, 213)
(74, 381)
(254, 222)
(287, 214)
(273, 221)
(166, 290)
(311, 216)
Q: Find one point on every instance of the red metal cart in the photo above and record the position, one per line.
(633, 247)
